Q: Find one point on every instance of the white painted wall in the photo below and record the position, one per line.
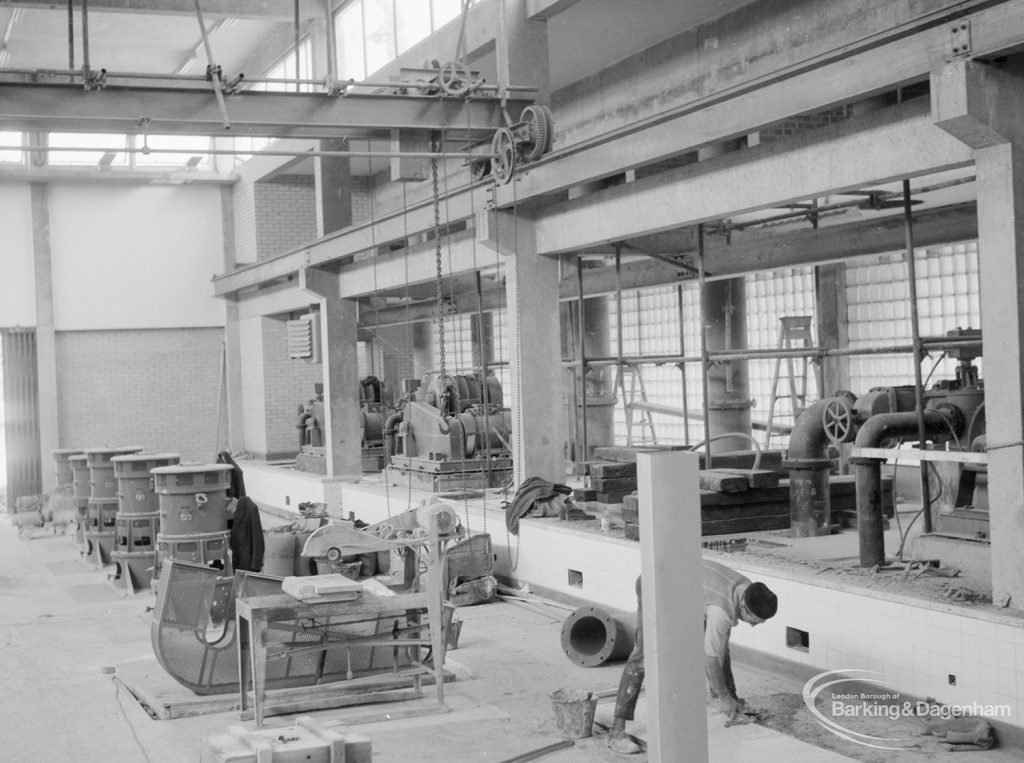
(17, 272)
(135, 256)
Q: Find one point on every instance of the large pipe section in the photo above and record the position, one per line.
(876, 430)
(808, 464)
(593, 635)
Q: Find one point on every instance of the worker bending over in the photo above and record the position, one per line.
(728, 598)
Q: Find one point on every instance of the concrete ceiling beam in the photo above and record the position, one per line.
(887, 145)
(280, 10)
(272, 114)
(811, 246)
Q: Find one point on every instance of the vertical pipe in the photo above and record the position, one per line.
(71, 35)
(582, 349)
(682, 366)
(908, 226)
(85, 39)
(485, 393)
(298, 43)
(332, 43)
(702, 281)
(618, 345)
(869, 513)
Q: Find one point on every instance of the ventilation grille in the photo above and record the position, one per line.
(304, 338)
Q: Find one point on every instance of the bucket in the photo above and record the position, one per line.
(278, 554)
(574, 712)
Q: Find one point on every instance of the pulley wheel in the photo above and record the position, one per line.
(503, 161)
(837, 419)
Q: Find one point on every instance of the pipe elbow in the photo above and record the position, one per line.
(883, 426)
(808, 439)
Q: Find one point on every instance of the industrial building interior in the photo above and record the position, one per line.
(502, 303)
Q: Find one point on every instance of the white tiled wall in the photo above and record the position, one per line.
(914, 646)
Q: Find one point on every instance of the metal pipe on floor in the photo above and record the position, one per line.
(592, 636)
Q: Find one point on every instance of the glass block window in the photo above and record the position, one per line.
(878, 299)
(771, 296)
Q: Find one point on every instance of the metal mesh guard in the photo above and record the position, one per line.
(194, 635)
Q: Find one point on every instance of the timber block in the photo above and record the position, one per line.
(613, 484)
(612, 497)
(604, 470)
(723, 482)
(582, 494)
(631, 501)
(758, 478)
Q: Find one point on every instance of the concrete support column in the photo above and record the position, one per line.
(343, 431)
(983, 105)
(233, 436)
(46, 342)
(599, 380)
(534, 354)
(332, 178)
(670, 563)
(724, 314)
(833, 327)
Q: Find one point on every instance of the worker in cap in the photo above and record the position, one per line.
(729, 597)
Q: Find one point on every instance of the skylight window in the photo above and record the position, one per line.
(11, 147)
(88, 149)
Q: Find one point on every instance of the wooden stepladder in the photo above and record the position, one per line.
(794, 332)
(629, 404)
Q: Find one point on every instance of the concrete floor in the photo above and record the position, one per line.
(69, 637)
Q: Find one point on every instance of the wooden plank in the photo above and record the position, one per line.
(627, 455)
(613, 497)
(723, 482)
(743, 459)
(915, 456)
(584, 494)
(746, 525)
(614, 484)
(755, 478)
(603, 470)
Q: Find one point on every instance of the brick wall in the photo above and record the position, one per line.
(155, 388)
(244, 202)
(361, 199)
(285, 214)
(286, 384)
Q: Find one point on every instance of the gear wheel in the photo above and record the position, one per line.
(538, 132)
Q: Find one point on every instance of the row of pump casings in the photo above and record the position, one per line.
(136, 510)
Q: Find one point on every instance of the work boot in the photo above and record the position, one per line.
(623, 744)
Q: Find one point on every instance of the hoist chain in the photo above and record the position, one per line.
(437, 259)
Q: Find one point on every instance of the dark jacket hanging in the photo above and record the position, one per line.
(246, 536)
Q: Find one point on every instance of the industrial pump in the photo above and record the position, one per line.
(451, 432)
(953, 418)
